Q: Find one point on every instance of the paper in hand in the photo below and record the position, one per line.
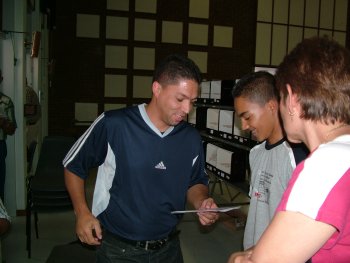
(219, 210)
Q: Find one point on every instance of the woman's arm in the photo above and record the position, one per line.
(291, 238)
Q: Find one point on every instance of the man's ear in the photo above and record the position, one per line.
(156, 88)
(273, 105)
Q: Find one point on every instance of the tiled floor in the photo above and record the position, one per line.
(199, 244)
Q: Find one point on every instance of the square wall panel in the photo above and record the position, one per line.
(145, 30)
(264, 11)
(327, 33)
(223, 36)
(116, 57)
(310, 32)
(199, 8)
(279, 44)
(280, 11)
(122, 5)
(198, 34)
(144, 58)
(311, 13)
(142, 87)
(326, 15)
(117, 27)
(296, 12)
(340, 17)
(201, 59)
(172, 32)
(263, 44)
(295, 36)
(340, 37)
(88, 26)
(86, 112)
(110, 106)
(115, 85)
(146, 6)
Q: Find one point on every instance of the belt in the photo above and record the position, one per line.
(147, 244)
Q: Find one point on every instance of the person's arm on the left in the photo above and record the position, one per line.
(198, 197)
(8, 127)
(5, 220)
(8, 121)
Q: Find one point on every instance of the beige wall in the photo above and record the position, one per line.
(284, 23)
(193, 33)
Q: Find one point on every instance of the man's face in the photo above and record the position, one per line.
(175, 101)
(255, 118)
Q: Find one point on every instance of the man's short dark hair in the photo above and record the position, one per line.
(174, 68)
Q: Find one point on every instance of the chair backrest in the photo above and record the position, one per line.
(49, 171)
(30, 155)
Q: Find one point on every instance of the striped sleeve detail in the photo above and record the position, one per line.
(80, 142)
(194, 160)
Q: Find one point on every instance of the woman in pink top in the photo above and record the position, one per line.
(312, 221)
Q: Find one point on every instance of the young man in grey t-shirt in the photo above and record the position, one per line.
(273, 160)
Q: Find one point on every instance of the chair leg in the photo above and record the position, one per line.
(28, 230)
(36, 224)
(29, 206)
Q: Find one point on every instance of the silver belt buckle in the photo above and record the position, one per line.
(157, 244)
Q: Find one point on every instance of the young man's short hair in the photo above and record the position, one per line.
(258, 87)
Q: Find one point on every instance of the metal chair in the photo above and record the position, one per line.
(30, 155)
(46, 191)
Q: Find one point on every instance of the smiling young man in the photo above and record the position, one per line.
(273, 160)
(150, 163)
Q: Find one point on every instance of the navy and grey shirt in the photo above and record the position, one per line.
(143, 174)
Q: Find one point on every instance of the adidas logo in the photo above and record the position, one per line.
(160, 166)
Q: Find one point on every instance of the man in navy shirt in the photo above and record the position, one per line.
(151, 163)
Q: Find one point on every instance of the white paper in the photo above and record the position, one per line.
(219, 210)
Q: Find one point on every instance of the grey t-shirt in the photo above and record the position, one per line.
(271, 168)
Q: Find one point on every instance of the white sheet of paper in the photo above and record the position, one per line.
(219, 209)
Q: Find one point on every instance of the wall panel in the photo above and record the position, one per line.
(293, 20)
(111, 48)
